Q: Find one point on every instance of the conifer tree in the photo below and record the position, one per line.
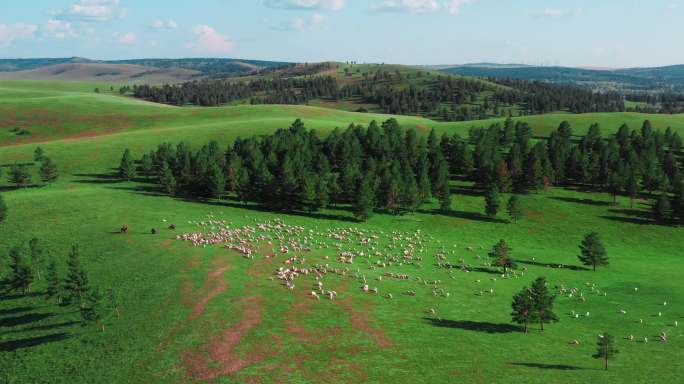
(89, 308)
(523, 307)
(307, 197)
(503, 177)
(38, 154)
(605, 348)
(542, 303)
(632, 188)
(76, 284)
(501, 254)
(146, 165)
(126, 166)
(48, 170)
(19, 175)
(661, 208)
(514, 208)
(492, 201)
(22, 276)
(592, 251)
(217, 181)
(3, 209)
(36, 252)
(52, 277)
(167, 180)
(365, 199)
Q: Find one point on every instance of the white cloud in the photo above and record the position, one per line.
(160, 24)
(421, 6)
(555, 13)
(208, 40)
(59, 29)
(93, 10)
(127, 38)
(298, 24)
(11, 32)
(323, 5)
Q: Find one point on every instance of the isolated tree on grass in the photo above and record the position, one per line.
(90, 309)
(492, 202)
(523, 307)
(52, 277)
(127, 166)
(514, 208)
(592, 251)
(36, 252)
(38, 154)
(605, 348)
(48, 170)
(364, 200)
(76, 282)
(501, 254)
(3, 210)
(19, 175)
(542, 303)
(662, 208)
(22, 276)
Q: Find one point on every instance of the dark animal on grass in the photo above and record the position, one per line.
(124, 229)
(172, 227)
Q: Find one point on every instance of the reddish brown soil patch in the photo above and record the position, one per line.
(218, 356)
(360, 320)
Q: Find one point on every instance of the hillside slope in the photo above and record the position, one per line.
(103, 72)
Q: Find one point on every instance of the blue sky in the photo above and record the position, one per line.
(599, 33)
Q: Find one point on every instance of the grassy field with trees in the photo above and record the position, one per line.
(111, 276)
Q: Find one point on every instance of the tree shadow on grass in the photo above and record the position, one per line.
(12, 296)
(465, 191)
(575, 200)
(634, 216)
(14, 311)
(259, 208)
(561, 367)
(13, 345)
(9, 188)
(554, 265)
(97, 178)
(477, 326)
(475, 216)
(47, 327)
(24, 319)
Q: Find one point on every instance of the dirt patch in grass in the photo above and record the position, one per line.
(218, 356)
(360, 320)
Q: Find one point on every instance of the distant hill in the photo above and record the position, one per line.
(670, 78)
(102, 72)
(130, 71)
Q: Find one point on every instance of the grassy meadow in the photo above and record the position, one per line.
(193, 314)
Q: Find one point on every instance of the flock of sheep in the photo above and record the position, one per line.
(370, 257)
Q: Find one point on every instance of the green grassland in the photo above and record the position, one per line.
(176, 301)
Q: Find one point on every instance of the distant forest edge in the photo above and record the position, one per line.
(660, 88)
(415, 92)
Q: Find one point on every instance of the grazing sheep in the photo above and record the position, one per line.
(575, 342)
(153, 231)
(631, 337)
(172, 227)
(645, 339)
(124, 229)
(676, 323)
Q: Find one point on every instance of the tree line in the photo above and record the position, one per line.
(442, 97)
(381, 167)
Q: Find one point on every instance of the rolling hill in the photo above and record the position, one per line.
(179, 313)
(155, 71)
